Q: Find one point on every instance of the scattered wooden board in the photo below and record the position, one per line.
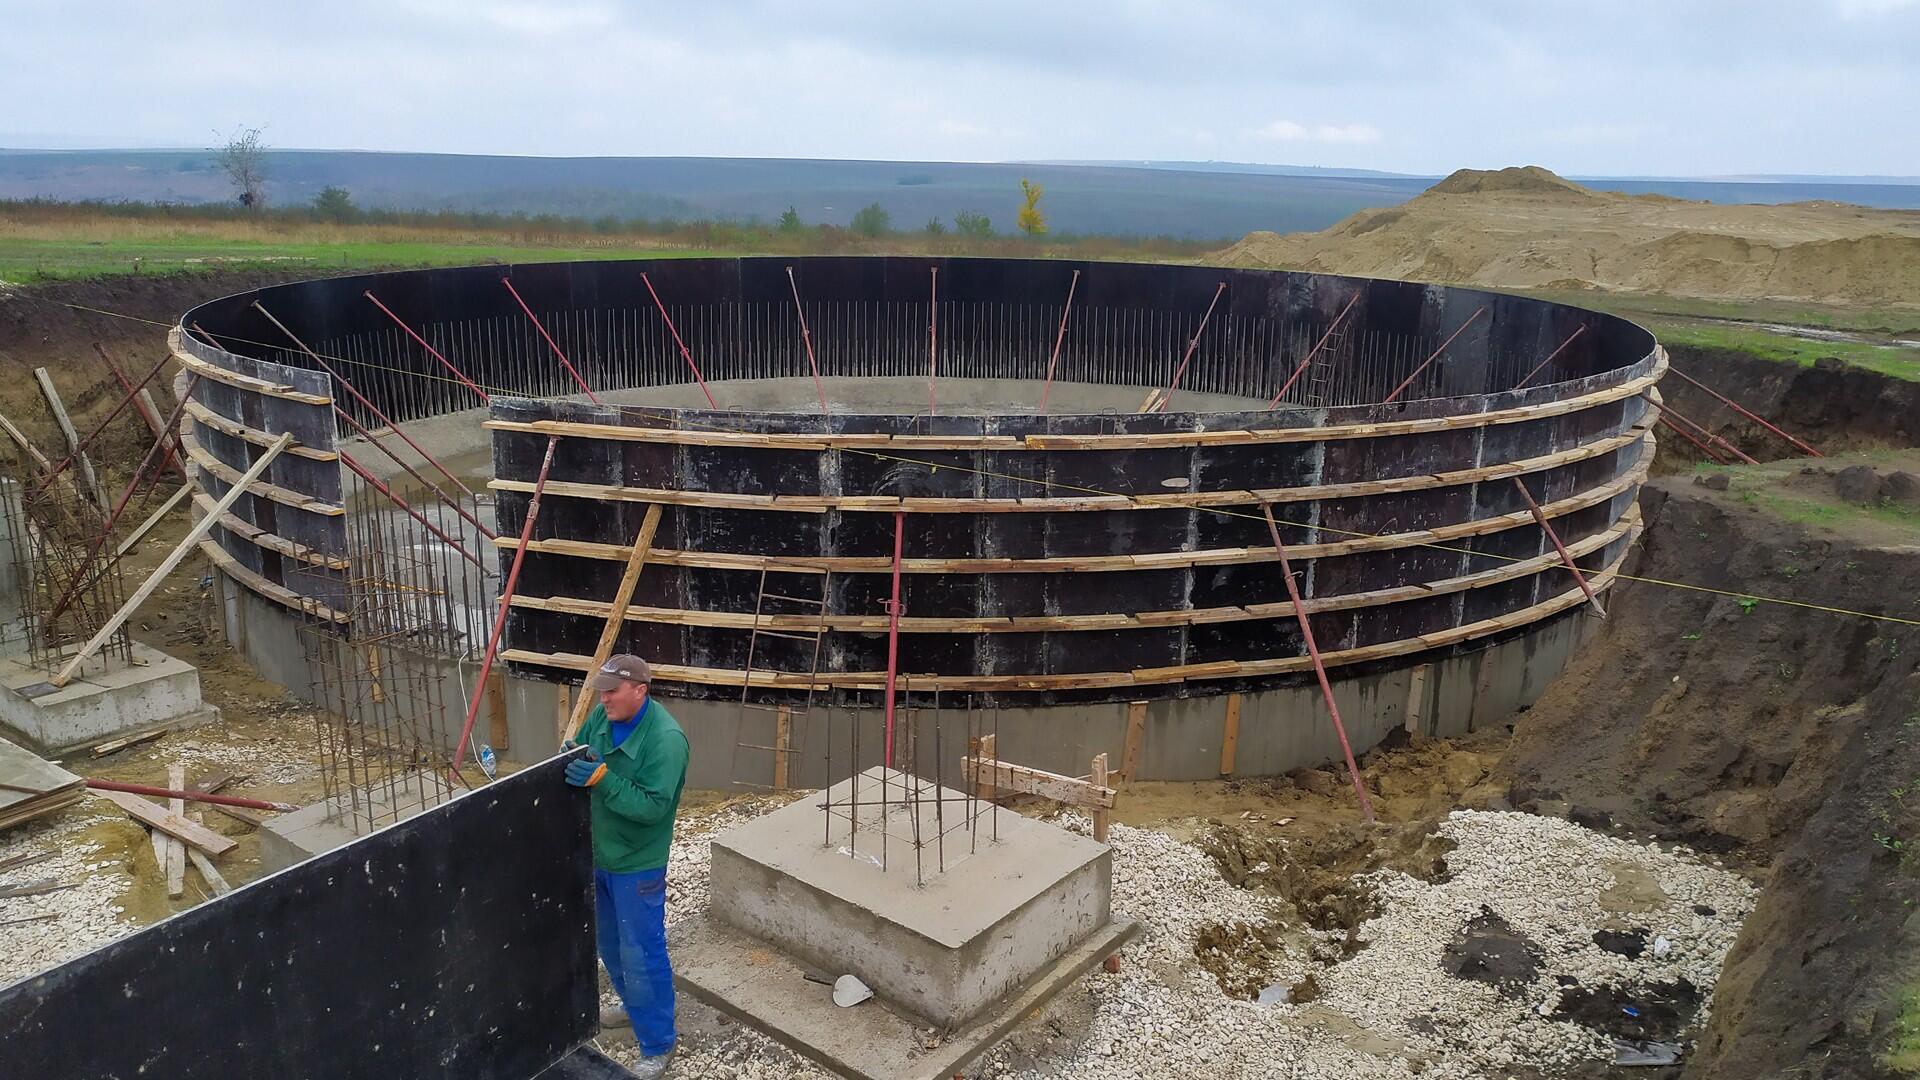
(176, 863)
(158, 817)
(33, 786)
(114, 746)
(36, 888)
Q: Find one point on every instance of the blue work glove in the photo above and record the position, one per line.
(586, 770)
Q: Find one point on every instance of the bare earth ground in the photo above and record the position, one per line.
(1786, 738)
(1776, 741)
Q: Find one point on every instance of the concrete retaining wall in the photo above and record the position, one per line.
(1279, 730)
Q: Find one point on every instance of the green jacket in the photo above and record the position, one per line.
(636, 799)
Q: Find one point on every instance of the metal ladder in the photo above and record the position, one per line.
(1319, 378)
(786, 743)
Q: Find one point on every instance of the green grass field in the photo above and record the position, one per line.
(40, 243)
(32, 260)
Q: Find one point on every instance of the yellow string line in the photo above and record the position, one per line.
(674, 415)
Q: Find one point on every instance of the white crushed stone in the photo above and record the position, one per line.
(85, 917)
(1389, 1011)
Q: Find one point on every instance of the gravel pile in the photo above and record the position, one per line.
(1388, 1011)
(84, 916)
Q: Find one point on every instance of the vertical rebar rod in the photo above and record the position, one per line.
(551, 344)
(933, 324)
(431, 351)
(695, 368)
(1551, 357)
(807, 339)
(1436, 355)
(506, 604)
(1319, 668)
(939, 785)
(1315, 351)
(893, 629)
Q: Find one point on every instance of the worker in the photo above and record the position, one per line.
(634, 767)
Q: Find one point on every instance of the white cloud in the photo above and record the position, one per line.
(1288, 131)
(1867, 9)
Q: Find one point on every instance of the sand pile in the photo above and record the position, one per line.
(1527, 228)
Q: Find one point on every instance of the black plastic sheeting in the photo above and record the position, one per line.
(456, 944)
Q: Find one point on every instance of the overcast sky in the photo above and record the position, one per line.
(1667, 87)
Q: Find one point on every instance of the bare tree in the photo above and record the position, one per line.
(243, 157)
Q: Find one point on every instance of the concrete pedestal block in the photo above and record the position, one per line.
(106, 698)
(983, 906)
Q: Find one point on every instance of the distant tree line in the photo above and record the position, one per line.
(872, 227)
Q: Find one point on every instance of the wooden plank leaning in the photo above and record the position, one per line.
(187, 543)
(94, 487)
(616, 615)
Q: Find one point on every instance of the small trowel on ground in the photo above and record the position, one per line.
(848, 990)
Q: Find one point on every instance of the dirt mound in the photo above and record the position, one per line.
(1527, 228)
(1786, 737)
(1521, 178)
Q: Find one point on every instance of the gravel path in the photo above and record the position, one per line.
(1389, 1011)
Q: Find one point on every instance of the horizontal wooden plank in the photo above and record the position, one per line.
(814, 504)
(208, 418)
(1283, 665)
(258, 537)
(715, 436)
(1062, 789)
(279, 594)
(1027, 624)
(840, 564)
(298, 500)
(233, 378)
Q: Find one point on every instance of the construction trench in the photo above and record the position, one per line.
(892, 517)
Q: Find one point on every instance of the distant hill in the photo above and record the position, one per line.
(1209, 201)
(1080, 199)
(1528, 228)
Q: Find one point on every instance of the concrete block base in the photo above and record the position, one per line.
(769, 991)
(331, 823)
(107, 698)
(977, 911)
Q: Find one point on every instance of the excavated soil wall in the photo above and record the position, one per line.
(1784, 737)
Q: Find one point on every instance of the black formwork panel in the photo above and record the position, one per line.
(456, 944)
(1128, 327)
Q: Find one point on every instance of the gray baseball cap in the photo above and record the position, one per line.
(624, 668)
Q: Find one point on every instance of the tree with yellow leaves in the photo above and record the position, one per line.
(1030, 220)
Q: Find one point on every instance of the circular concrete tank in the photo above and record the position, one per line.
(1074, 537)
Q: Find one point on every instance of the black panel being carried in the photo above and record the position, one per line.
(456, 944)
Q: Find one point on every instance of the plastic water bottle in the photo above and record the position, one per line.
(488, 763)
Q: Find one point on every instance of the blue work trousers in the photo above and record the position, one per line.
(630, 920)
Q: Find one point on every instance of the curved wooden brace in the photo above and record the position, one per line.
(818, 504)
(206, 417)
(233, 378)
(1145, 620)
(1144, 440)
(1164, 560)
(1225, 669)
(284, 496)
